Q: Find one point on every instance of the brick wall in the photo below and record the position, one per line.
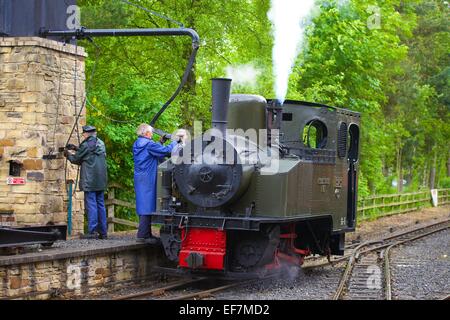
(37, 112)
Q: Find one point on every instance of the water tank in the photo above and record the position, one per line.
(247, 111)
(21, 18)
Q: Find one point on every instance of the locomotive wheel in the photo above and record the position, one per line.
(250, 250)
(171, 242)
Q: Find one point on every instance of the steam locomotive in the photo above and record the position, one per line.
(264, 199)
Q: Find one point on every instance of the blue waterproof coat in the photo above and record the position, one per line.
(146, 154)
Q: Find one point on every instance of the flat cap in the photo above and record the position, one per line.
(89, 129)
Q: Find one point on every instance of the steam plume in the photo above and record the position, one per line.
(289, 18)
(243, 75)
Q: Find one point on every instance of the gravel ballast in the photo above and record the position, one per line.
(315, 284)
(421, 269)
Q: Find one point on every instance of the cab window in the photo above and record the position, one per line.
(314, 134)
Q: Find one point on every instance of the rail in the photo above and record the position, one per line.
(368, 207)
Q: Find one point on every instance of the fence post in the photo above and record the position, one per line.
(363, 207)
(111, 196)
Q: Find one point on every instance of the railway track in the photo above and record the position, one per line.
(369, 263)
(183, 290)
(159, 291)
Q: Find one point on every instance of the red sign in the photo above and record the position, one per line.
(14, 180)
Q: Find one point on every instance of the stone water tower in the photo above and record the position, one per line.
(41, 92)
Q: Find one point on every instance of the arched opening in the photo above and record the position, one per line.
(315, 134)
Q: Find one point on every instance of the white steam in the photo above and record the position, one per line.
(289, 18)
(243, 75)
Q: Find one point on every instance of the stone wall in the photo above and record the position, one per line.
(79, 274)
(37, 112)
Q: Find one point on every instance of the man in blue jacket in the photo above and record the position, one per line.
(146, 155)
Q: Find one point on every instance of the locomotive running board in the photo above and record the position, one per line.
(227, 222)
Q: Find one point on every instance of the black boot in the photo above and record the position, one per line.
(93, 235)
(152, 239)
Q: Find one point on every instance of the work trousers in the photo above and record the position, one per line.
(94, 203)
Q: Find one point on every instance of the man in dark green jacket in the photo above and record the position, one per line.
(91, 156)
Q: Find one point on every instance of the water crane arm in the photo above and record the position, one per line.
(83, 33)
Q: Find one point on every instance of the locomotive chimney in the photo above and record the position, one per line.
(221, 88)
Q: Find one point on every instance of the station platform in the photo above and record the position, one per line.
(76, 268)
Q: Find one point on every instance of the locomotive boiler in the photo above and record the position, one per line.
(269, 184)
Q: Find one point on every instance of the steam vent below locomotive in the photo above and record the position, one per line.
(268, 184)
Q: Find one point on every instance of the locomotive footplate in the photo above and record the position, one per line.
(22, 236)
(223, 222)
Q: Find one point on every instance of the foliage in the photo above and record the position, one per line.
(445, 183)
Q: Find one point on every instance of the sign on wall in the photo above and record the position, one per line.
(15, 180)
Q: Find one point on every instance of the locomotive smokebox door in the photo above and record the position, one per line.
(210, 182)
